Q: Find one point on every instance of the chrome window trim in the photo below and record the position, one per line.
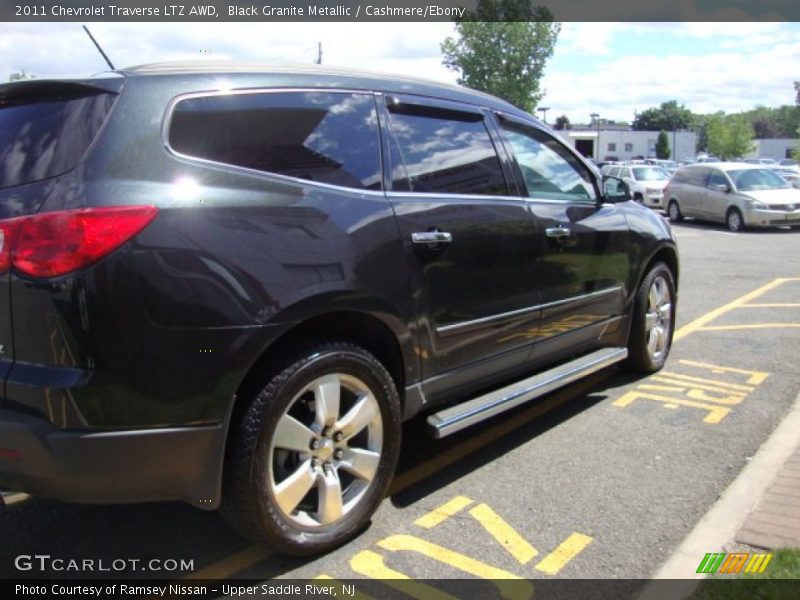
(269, 175)
(455, 327)
(444, 196)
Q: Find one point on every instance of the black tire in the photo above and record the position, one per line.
(674, 211)
(734, 220)
(641, 356)
(256, 457)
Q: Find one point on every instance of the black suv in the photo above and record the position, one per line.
(231, 284)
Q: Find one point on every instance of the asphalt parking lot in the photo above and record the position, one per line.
(600, 480)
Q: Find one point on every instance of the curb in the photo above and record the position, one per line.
(721, 523)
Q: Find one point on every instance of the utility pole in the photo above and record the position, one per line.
(319, 53)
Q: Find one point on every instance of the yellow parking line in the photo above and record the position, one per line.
(756, 377)
(740, 387)
(231, 565)
(752, 326)
(370, 564)
(718, 312)
(566, 551)
(511, 586)
(444, 512)
(773, 305)
(505, 535)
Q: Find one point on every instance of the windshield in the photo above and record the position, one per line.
(649, 174)
(749, 180)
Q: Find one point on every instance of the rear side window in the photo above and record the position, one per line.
(46, 130)
(444, 152)
(317, 136)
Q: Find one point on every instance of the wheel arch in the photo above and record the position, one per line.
(667, 254)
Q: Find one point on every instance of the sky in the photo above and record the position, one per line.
(613, 69)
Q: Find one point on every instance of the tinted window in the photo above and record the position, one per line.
(324, 137)
(716, 178)
(45, 135)
(549, 169)
(695, 176)
(614, 172)
(750, 180)
(442, 152)
(649, 174)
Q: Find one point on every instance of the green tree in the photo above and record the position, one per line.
(562, 122)
(729, 137)
(741, 140)
(669, 116)
(662, 145)
(501, 48)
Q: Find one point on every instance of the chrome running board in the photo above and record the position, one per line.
(473, 411)
(9, 498)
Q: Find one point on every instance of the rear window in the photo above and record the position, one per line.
(46, 133)
(324, 137)
(649, 174)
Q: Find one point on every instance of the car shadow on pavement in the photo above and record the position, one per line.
(418, 447)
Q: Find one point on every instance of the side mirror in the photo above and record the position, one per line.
(615, 190)
(721, 187)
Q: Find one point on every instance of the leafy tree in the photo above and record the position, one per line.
(729, 137)
(562, 122)
(668, 116)
(662, 145)
(501, 48)
(741, 140)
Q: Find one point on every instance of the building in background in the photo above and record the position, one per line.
(621, 143)
(775, 148)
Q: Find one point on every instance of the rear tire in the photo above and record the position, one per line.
(653, 323)
(674, 211)
(311, 457)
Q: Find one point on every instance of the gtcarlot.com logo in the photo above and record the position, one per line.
(45, 563)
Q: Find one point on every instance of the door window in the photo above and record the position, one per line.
(443, 151)
(716, 179)
(549, 170)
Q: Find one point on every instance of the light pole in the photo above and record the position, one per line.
(596, 117)
(543, 110)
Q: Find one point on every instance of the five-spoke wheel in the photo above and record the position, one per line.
(312, 455)
(653, 320)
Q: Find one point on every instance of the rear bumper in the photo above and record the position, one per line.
(110, 467)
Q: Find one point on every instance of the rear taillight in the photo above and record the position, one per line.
(57, 243)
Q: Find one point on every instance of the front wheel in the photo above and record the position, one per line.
(653, 320)
(734, 220)
(312, 456)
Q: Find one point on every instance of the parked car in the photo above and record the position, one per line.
(737, 194)
(791, 176)
(230, 285)
(646, 182)
(767, 162)
(789, 163)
